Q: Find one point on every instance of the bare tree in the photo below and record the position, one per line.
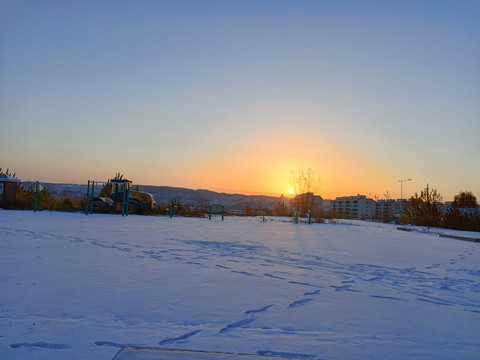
(387, 196)
(304, 184)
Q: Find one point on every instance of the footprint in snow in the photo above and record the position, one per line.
(109, 344)
(179, 338)
(344, 287)
(265, 308)
(301, 283)
(285, 354)
(299, 302)
(41, 345)
(387, 297)
(312, 293)
(238, 324)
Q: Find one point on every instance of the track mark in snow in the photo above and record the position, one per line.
(179, 338)
(196, 263)
(299, 303)
(243, 273)
(285, 354)
(409, 270)
(110, 344)
(238, 324)
(274, 276)
(265, 308)
(473, 311)
(223, 267)
(42, 345)
(303, 267)
(312, 293)
(344, 287)
(301, 283)
(435, 302)
(387, 297)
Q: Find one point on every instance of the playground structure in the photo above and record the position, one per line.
(296, 216)
(122, 199)
(215, 206)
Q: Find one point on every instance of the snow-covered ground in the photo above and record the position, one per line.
(79, 287)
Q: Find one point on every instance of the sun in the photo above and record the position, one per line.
(291, 191)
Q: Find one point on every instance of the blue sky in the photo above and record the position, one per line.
(233, 95)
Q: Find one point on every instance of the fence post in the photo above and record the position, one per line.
(91, 198)
(210, 212)
(309, 216)
(128, 199)
(295, 217)
(223, 210)
(86, 199)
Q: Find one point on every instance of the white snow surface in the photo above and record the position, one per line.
(80, 287)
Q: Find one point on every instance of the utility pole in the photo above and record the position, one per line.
(401, 186)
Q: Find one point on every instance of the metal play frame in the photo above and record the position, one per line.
(125, 189)
(210, 211)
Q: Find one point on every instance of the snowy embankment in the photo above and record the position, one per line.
(79, 287)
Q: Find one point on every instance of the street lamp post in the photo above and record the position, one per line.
(401, 186)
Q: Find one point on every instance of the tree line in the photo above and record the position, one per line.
(425, 209)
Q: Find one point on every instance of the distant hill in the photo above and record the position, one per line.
(195, 198)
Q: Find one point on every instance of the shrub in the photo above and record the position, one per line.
(423, 209)
(461, 220)
(67, 204)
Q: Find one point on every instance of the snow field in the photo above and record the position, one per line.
(80, 287)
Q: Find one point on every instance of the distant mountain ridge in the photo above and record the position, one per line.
(195, 198)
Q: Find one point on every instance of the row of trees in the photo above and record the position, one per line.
(425, 209)
(25, 198)
(45, 200)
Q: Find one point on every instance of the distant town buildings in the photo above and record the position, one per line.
(354, 207)
(307, 201)
(362, 208)
(384, 209)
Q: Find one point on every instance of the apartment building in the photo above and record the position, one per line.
(307, 201)
(354, 207)
(384, 209)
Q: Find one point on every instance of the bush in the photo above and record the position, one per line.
(281, 208)
(423, 209)
(461, 220)
(26, 199)
(67, 204)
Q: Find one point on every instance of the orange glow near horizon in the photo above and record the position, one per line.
(265, 168)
